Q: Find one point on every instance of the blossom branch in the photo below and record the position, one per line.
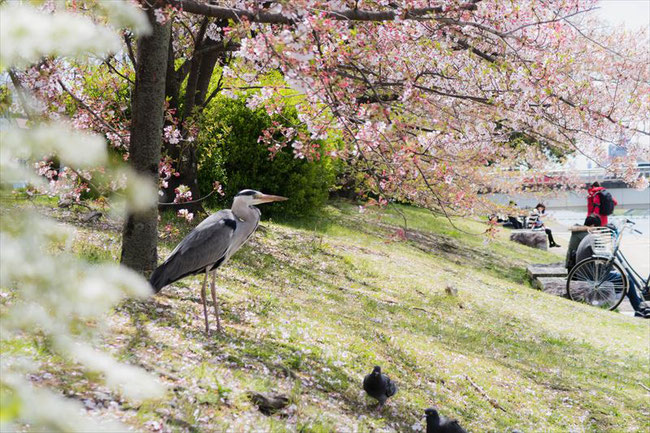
(210, 10)
(89, 110)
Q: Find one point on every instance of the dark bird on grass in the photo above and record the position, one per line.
(268, 403)
(211, 244)
(438, 424)
(379, 386)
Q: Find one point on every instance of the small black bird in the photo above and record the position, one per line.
(438, 424)
(379, 386)
(268, 403)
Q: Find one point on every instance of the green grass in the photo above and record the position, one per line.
(311, 305)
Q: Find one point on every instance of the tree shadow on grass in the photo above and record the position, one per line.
(285, 360)
(279, 256)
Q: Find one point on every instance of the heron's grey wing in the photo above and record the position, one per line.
(202, 247)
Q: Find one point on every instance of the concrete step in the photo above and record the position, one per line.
(551, 278)
(553, 285)
(546, 271)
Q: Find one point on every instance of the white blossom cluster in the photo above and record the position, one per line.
(26, 35)
(52, 293)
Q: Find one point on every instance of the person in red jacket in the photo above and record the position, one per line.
(593, 202)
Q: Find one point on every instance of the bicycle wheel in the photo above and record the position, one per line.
(598, 282)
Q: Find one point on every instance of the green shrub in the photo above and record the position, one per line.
(229, 152)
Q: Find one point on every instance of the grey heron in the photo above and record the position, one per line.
(211, 244)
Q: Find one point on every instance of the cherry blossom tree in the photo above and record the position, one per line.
(432, 96)
(429, 96)
(437, 102)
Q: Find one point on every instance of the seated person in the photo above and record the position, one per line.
(514, 221)
(537, 224)
(578, 233)
(586, 250)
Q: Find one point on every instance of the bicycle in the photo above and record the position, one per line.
(603, 279)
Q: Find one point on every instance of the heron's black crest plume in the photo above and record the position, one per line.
(246, 192)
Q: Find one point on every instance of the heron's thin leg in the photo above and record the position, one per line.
(205, 306)
(214, 300)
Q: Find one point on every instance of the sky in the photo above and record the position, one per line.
(631, 13)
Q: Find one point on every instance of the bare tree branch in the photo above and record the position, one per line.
(108, 63)
(230, 46)
(553, 20)
(89, 110)
(129, 48)
(209, 10)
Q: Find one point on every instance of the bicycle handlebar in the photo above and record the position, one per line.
(619, 233)
(628, 223)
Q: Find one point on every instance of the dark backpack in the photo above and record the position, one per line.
(606, 203)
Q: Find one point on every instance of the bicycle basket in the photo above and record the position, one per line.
(604, 239)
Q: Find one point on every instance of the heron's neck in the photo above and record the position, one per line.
(244, 211)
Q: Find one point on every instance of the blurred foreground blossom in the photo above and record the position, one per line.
(57, 298)
(27, 35)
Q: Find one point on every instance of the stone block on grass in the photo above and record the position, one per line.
(530, 238)
(553, 285)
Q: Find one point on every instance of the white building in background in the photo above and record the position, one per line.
(616, 151)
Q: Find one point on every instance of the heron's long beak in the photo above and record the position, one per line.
(267, 198)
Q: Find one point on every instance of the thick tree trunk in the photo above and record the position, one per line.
(185, 152)
(173, 78)
(209, 60)
(140, 235)
(199, 72)
(186, 164)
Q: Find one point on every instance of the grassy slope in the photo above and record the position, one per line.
(311, 306)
